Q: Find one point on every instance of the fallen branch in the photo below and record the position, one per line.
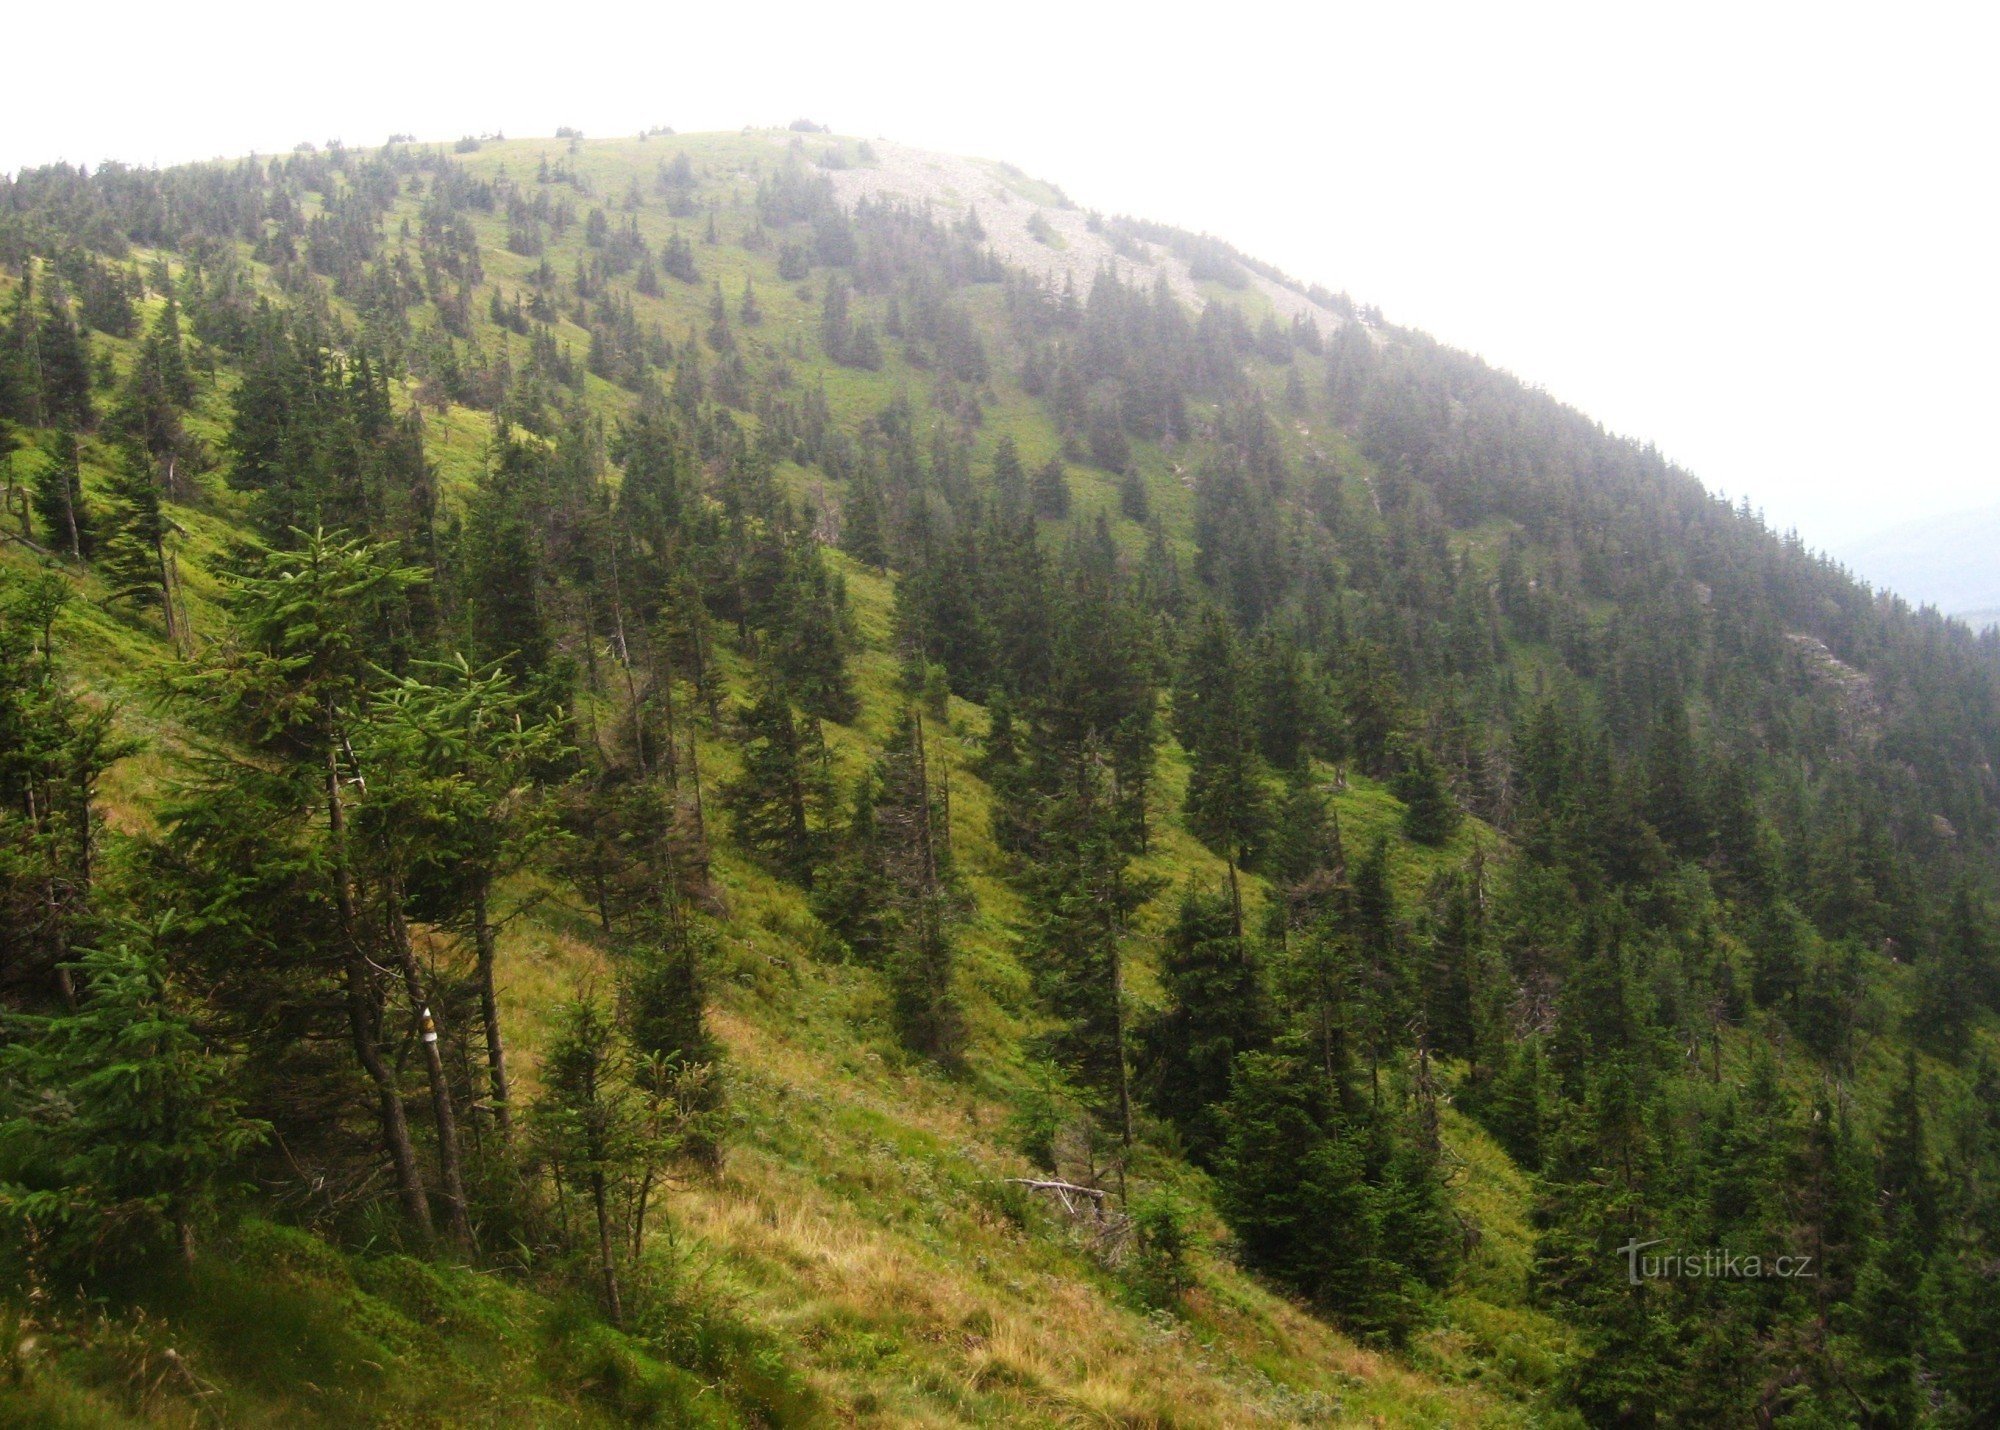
(1063, 1191)
(41, 551)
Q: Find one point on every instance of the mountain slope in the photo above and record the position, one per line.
(1662, 805)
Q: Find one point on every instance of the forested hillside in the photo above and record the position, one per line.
(678, 780)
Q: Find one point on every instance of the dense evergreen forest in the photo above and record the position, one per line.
(633, 789)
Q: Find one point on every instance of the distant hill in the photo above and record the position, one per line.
(1943, 561)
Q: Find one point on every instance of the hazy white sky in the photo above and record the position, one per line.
(1761, 236)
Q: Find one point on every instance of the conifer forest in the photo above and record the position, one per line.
(679, 780)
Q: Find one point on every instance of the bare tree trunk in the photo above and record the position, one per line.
(489, 1008)
(1118, 1019)
(663, 677)
(1323, 1014)
(795, 787)
(361, 1011)
(588, 620)
(639, 1214)
(442, 1110)
(52, 899)
(70, 482)
(638, 715)
(1124, 1074)
(639, 1202)
(175, 596)
(167, 594)
(924, 804)
(944, 793)
(625, 660)
(694, 773)
(607, 1257)
(704, 677)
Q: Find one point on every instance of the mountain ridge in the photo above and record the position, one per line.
(1077, 246)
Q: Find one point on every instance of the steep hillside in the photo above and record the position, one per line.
(1052, 828)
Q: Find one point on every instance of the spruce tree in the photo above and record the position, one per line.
(1004, 766)
(501, 565)
(809, 643)
(308, 629)
(719, 335)
(1958, 976)
(1215, 1009)
(1291, 1182)
(911, 816)
(1430, 814)
(861, 533)
(836, 328)
(1305, 851)
(66, 520)
(677, 259)
(452, 754)
(1010, 480)
(1282, 702)
(1226, 802)
(54, 749)
(157, 391)
(61, 357)
(1371, 699)
(662, 1007)
(1673, 797)
(1050, 489)
(939, 616)
(1098, 693)
(1081, 894)
(1512, 1106)
(585, 1122)
(134, 561)
(20, 358)
(119, 1122)
(1456, 972)
(1383, 996)
(1134, 502)
(777, 801)
(851, 892)
(863, 348)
